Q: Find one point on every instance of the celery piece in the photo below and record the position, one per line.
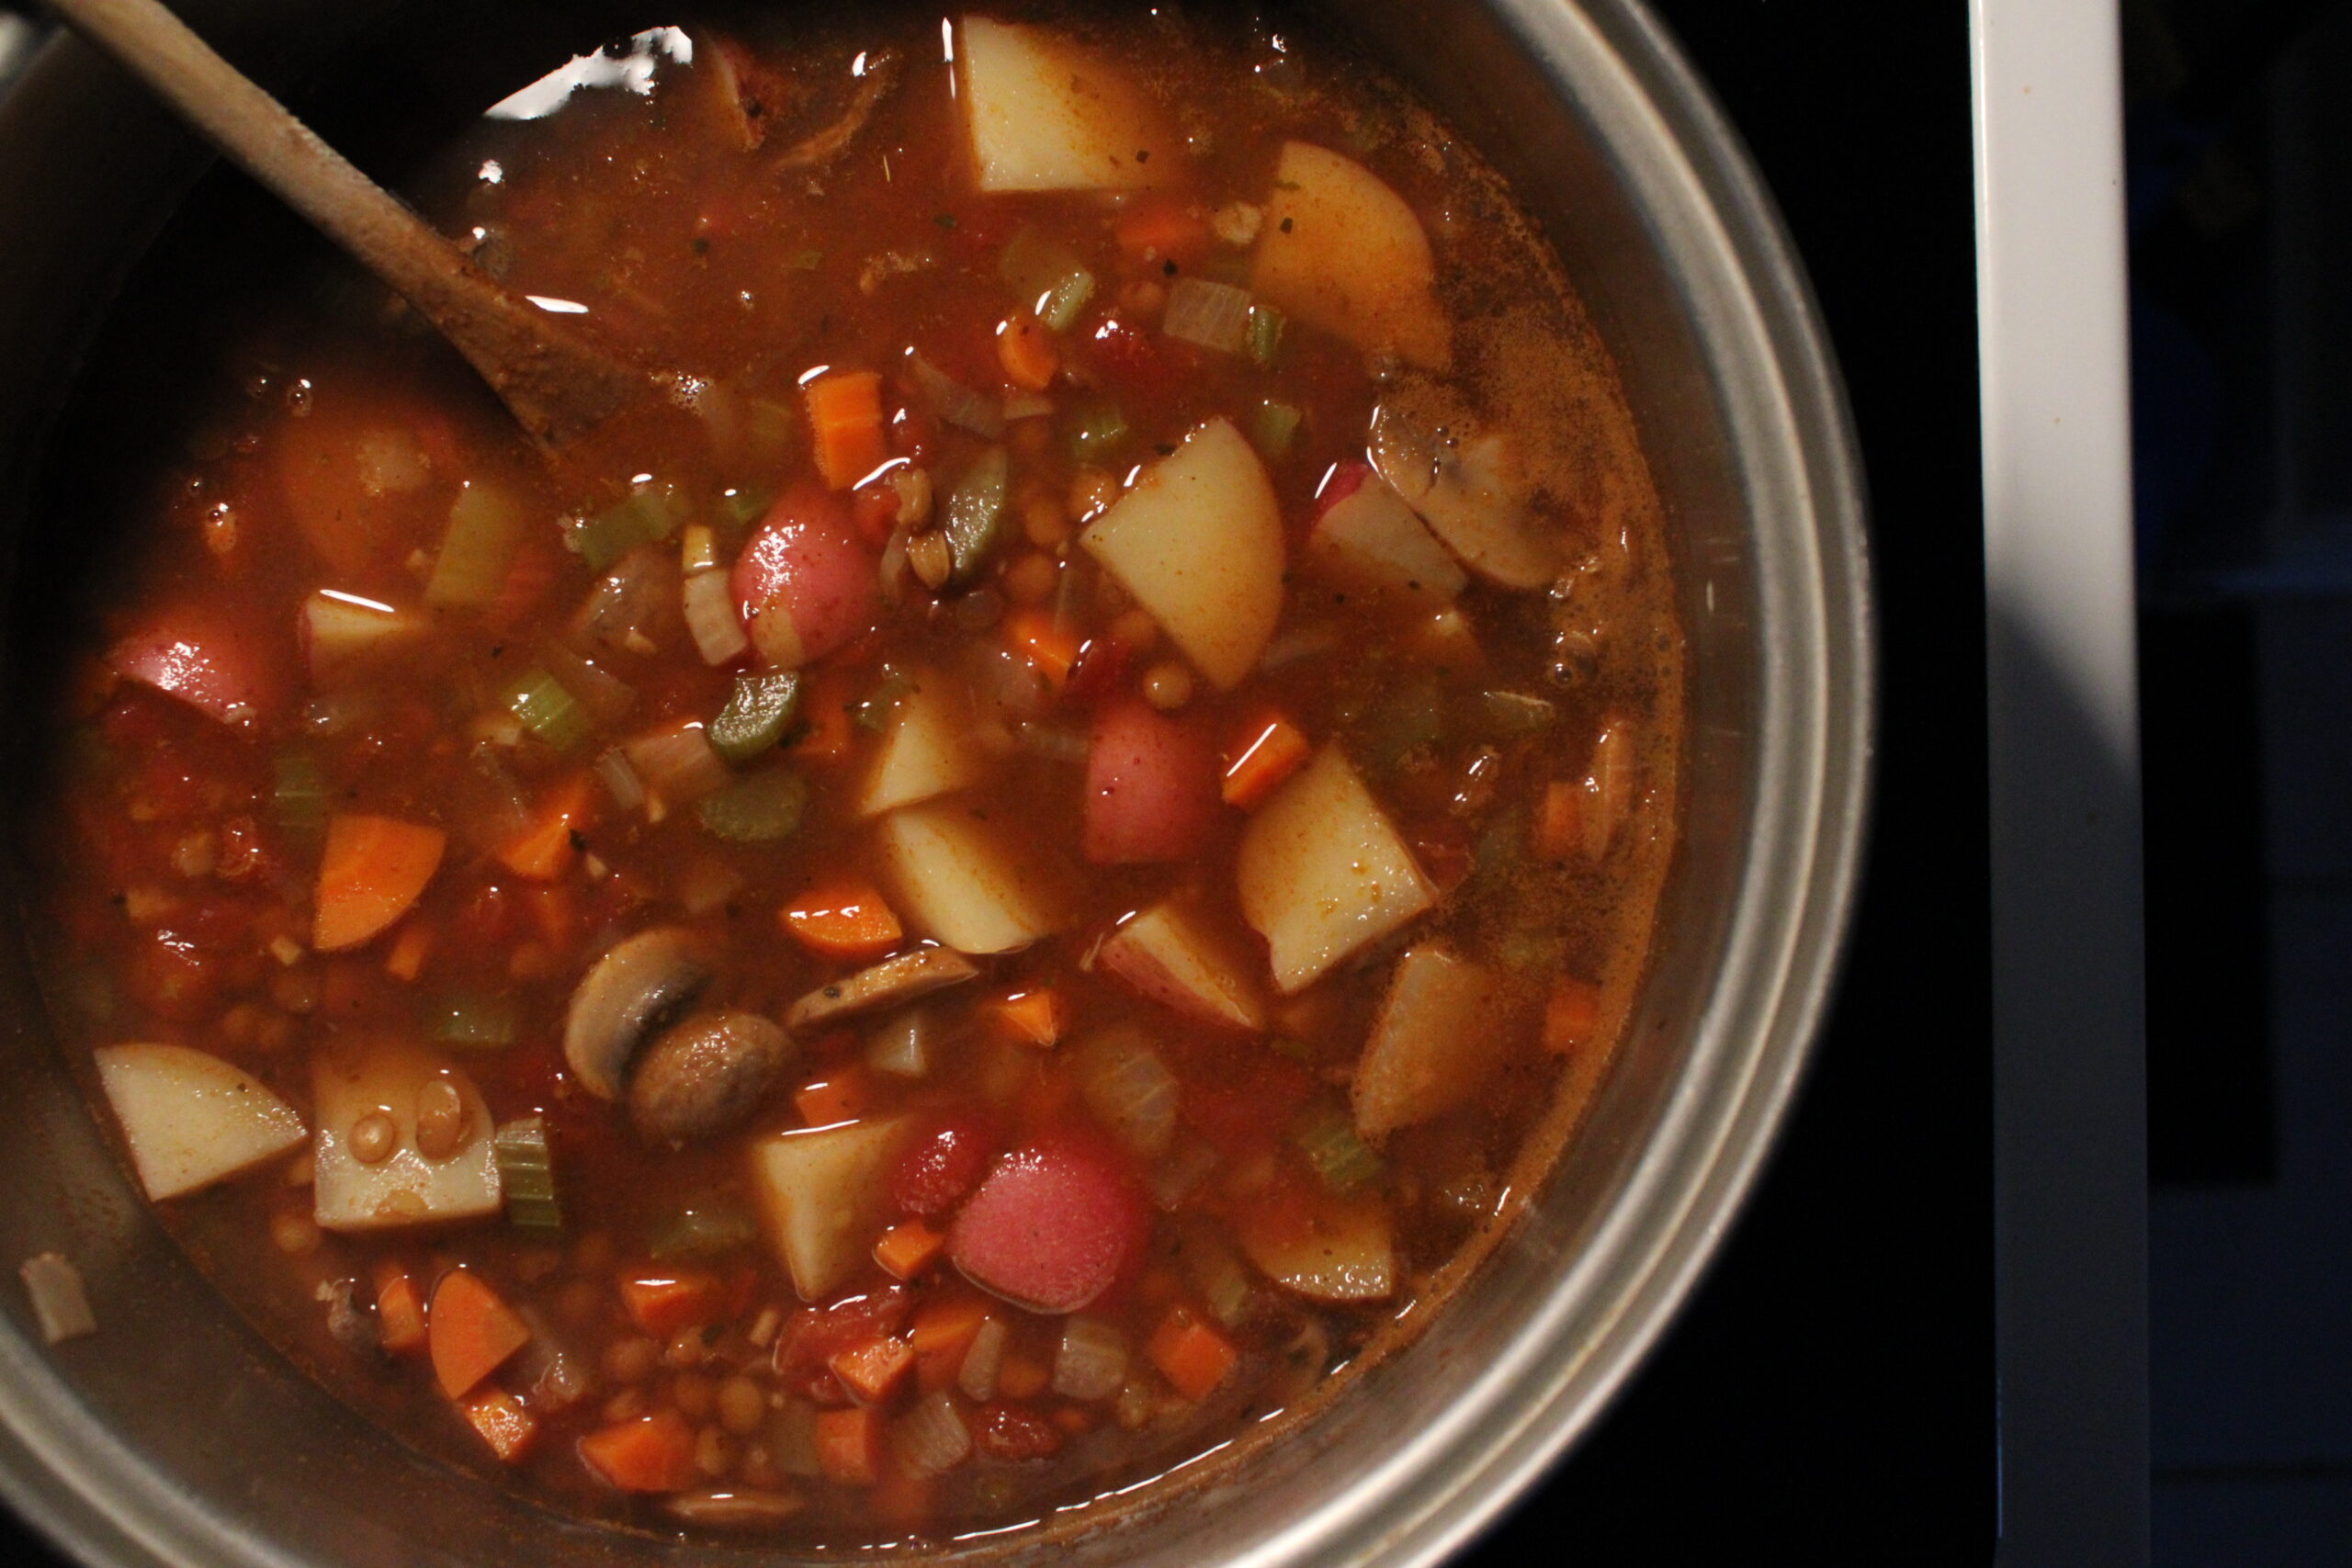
(1049, 279)
(702, 1233)
(526, 1174)
(1338, 1159)
(1099, 428)
(548, 710)
(757, 810)
(872, 712)
(1263, 340)
(741, 507)
(650, 513)
(976, 514)
(469, 1019)
(299, 796)
(758, 712)
(485, 526)
(1275, 427)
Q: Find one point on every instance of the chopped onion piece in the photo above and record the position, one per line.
(1092, 1361)
(1214, 315)
(1027, 405)
(627, 789)
(984, 1360)
(953, 401)
(931, 1438)
(60, 1303)
(713, 619)
(1129, 1091)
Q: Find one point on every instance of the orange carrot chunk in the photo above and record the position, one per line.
(410, 950)
(846, 921)
(1035, 1017)
(943, 1332)
(849, 1445)
(1559, 821)
(1025, 349)
(550, 845)
(372, 870)
(907, 1249)
(1022, 1378)
(664, 1303)
(504, 1422)
(1053, 649)
(472, 1330)
(1265, 753)
(840, 1096)
(400, 1311)
(1191, 1354)
(827, 737)
(653, 1453)
(1571, 1016)
(846, 417)
(872, 1369)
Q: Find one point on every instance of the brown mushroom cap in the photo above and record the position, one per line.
(641, 984)
(707, 1073)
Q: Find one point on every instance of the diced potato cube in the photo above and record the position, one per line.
(822, 1191)
(1323, 873)
(191, 1118)
(927, 750)
(1432, 1045)
(427, 1155)
(1326, 1248)
(1044, 114)
(1371, 543)
(960, 878)
(1171, 954)
(1342, 252)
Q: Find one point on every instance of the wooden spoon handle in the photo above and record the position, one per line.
(558, 383)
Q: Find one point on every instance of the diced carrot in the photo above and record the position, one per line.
(410, 950)
(1191, 1354)
(1035, 1017)
(1164, 230)
(846, 417)
(653, 1453)
(849, 1445)
(554, 910)
(848, 921)
(400, 1311)
(665, 1302)
(943, 1332)
(504, 1422)
(1073, 1420)
(1571, 1015)
(909, 1249)
(1265, 753)
(372, 870)
(550, 845)
(1052, 648)
(842, 1095)
(472, 1330)
(1559, 823)
(872, 1369)
(827, 737)
(1026, 350)
(1022, 1377)
(528, 578)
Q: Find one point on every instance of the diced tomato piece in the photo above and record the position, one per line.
(663, 1303)
(805, 582)
(1013, 1433)
(1133, 361)
(815, 1334)
(938, 1168)
(1053, 1227)
(1151, 790)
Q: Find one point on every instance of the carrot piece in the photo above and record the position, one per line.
(845, 416)
(1034, 1018)
(400, 1311)
(410, 950)
(1163, 230)
(504, 1422)
(943, 1332)
(848, 921)
(907, 1249)
(1571, 1015)
(1073, 1420)
(653, 1453)
(532, 573)
(1559, 821)
(1265, 753)
(1022, 1377)
(872, 1369)
(550, 845)
(849, 1445)
(472, 1330)
(372, 870)
(664, 1303)
(1025, 349)
(840, 1096)
(1053, 649)
(827, 737)
(1191, 1354)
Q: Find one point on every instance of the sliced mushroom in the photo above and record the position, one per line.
(1460, 483)
(901, 979)
(705, 1074)
(640, 984)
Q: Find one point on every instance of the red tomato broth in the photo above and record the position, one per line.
(182, 870)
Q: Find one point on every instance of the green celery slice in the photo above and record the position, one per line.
(758, 713)
(757, 810)
(526, 1174)
(977, 516)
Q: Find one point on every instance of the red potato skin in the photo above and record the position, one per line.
(806, 565)
(1151, 786)
(1344, 481)
(206, 663)
(1054, 1227)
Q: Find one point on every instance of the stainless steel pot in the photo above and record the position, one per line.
(176, 1436)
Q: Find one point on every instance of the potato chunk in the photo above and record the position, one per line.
(1432, 1045)
(1176, 956)
(822, 1191)
(1342, 253)
(423, 1155)
(962, 880)
(927, 751)
(1199, 542)
(1044, 114)
(1323, 1247)
(1322, 872)
(191, 1118)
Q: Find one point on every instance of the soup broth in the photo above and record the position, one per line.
(999, 892)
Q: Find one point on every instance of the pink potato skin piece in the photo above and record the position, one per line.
(1343, 481)
(209, 664)
(1052, 1227)
(1151, 786)
(804, 583)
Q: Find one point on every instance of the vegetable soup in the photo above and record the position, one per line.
(986, 905)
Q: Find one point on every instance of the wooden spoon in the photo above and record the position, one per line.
(558, 383)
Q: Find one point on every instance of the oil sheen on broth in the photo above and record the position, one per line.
(983, 913)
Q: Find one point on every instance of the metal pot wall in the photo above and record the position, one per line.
(177, 1436)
